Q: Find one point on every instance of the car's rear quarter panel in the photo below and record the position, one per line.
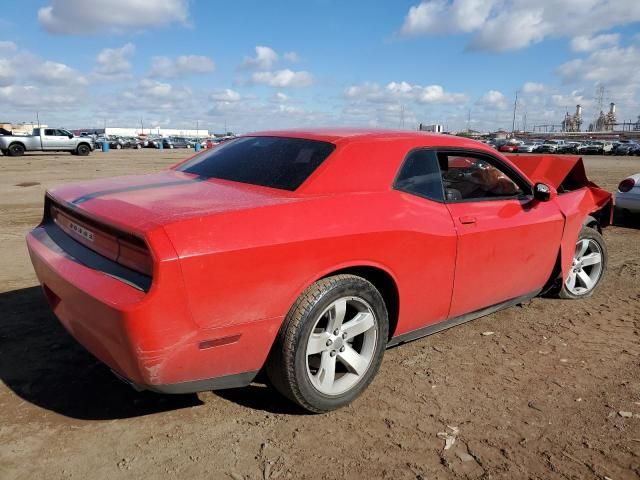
(251, 266)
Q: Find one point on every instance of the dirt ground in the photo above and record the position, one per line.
(545, 396)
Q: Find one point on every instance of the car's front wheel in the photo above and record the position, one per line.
(588, 265)
(83, 150)
(331, 343)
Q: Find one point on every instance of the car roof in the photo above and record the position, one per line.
(346, 134)
(354, 156)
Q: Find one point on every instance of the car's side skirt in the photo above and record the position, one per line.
(452, 322)
(219, 383)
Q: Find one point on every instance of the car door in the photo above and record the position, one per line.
(53, 140)
(508, 243)
(431, 245)
(65, 141)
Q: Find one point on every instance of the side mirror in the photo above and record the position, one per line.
(70, 136)
(543, 192)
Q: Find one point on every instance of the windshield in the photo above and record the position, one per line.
(275, 162)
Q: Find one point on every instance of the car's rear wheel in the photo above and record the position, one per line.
(16, 150)
(331, 344)
(588, 265)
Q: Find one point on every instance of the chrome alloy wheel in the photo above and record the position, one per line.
(341, 346)
(586, 267)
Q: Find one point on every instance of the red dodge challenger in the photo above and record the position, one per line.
(307, 253)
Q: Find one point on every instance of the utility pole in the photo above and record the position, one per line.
(141, 126)
(515, 106)
(469, 120)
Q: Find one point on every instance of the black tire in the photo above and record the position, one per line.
(16, 150)
(287, 367)
(588, 234)
(83, 150)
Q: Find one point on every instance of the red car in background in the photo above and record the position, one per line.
(508, 148)
(307, 253)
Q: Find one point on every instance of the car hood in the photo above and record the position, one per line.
(143, 202)
(553, 169)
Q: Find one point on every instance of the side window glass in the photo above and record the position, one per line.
(420, 175)
(49, 132)
(468, 177)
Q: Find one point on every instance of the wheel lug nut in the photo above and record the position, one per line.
(329, 342)
(342, 349)
(336, 332)
(333, 353)
(344, 334)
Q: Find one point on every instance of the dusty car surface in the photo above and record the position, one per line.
(307, 253)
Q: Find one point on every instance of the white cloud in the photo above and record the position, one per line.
(441, 16)
(292, 57)
(264, 59)
(279, 97)
(7, 72)
(226, 95)
(283, 78)
(114, 62)
(45, 99)
(54, 73)
(180, 66)
(494, 99)
(6, 46)
(78, 17)
(532, 87)
(501, 25)
(611, 66)
(402, 91)
(584, 43)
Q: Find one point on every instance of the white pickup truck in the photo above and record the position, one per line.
(45, 140)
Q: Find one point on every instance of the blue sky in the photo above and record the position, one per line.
(256, 64)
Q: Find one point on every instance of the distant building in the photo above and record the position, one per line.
(605, 122)
(572, 123)
(434, 128)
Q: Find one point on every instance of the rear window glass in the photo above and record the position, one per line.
(420, 175)
(275, 162)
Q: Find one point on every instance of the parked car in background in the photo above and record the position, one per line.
(114, 142)
(164, 141)
(596, 148)
(45, 140)
(568, 147)
(628, 194)
(508, 147)
(625, 147)
(181, 142)
(550, 146)
(527, 147)
(200, 276)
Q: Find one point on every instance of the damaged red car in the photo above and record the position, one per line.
(307, 253)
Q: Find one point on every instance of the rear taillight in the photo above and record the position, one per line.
(135, 257)
(626, 185)
(125, 249)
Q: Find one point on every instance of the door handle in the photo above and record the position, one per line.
(466, 219)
